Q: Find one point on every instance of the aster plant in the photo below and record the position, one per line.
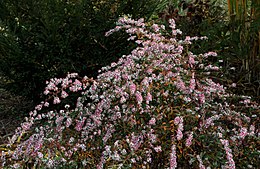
(155, 108)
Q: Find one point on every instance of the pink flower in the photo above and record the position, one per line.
(46, 104)
(252, 130)
(108, 134)
(68, 122)
(158, 149)
(180, 85)
(178, 120)
(187, 38)
(201, 98)
(200, 162)
(64, 94)
(148, 98)
(243, 132)
(136, 141)
(233, 84)
(56, 100)
(40, 155)
(80, 124)
(191, 61)
(132, 88)
(179, 133)
(145, 82)
(189, 140)
(173, 158)
(77, 85)
(149, 71)
(179, 48)
(122, 100)
(208, 122)
(59, 120)
(139, 97)
(192, 84)
(156, 28)
(38, 107)
(231, 163)
(172, 23)
(26, 126)
(210, 54)
(46, 92)
(152, 137)
(152, 121)
(247, 101)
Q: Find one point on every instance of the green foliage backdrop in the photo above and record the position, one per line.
(48, 38)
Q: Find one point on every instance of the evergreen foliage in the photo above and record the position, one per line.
(49, 38)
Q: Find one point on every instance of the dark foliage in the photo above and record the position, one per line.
(235, 40)
(43, 39)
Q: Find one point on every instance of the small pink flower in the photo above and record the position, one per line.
(152, 121)
(149, 71)
(201, 98)
(46, 104)
(179, 133)
(200, 162)
(192, 84)
(68, 122)
(243, 132)
(212, 53)
(38, 107)
(173, 158)
(148, 98)
(132, 88)
(231, 163)
(252, 130)
(64, 94)
(158, 149)
(40, 155)
(59, 120)
(136, 141)
(180, 85)
(172, 23)
(56, 100)
(179, 48)
(247, 101)
(80, 124)
(46, 92)
(178, 120)
(122, 100)
(139, 97)
(187, 38)
(26, 126)
(189, 140)
(156, 28)
(191, 61)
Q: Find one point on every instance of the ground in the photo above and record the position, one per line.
(12, 113)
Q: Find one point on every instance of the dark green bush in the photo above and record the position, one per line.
(235, 40)
(48, 38)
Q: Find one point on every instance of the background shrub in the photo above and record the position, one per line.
(232, 29)
(48, 38)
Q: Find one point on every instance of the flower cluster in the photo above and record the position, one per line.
(155, 103)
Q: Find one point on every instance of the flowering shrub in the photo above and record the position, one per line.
(154, 108)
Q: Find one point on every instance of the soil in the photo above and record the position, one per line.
(13, 109)
(8, 126)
